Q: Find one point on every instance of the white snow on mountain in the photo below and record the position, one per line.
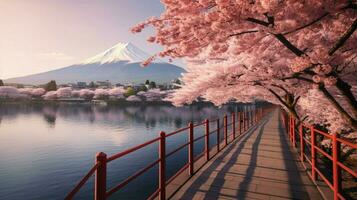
(120, 52)
(119, 64)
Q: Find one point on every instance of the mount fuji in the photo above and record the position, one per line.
(118, 64)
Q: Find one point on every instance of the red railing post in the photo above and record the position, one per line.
(248, 119)
(313, 153)
(234, 125)
(240, 122)
(302, 146)
(244, 121)
(335, 168)
(190, 149)
(293, 131)
(225, 124)
(255, 115)
(162, 166)
(100, 185)
(218, 135)
(251, 118)
(207, 139)
(290, 128)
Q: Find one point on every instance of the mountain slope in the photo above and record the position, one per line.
(119, 64)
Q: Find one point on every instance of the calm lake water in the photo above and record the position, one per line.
(46, 149)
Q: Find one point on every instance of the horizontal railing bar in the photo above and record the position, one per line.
(123, 153)
(213, 131)
(132, 177)
(199, 156)
(323, 133)
(324, 178)
(340, 196)
(199, 124)
(177, 174)
(307, 141)
(347, 169)
(347, 143)
(323, 152)
(307, 159)
(178, 149)
(177, 131)
(143, 170)
(199, 138)
(229, 135)
(82, 182)
(154, 195)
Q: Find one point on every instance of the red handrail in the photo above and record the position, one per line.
(132, 177)
(100, 167)
(80, 184)
(123, 153)
(335, 185)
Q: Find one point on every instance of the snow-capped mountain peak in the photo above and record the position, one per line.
(120, 52)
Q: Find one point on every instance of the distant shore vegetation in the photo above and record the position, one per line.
(146, 92)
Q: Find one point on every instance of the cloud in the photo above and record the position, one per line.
(55, 55)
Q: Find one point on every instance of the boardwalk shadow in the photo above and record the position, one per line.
(212, 180)
(235, 150)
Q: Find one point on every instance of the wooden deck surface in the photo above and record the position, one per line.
(260, 165)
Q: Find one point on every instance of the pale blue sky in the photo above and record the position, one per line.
(39, 35)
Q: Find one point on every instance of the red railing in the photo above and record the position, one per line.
(307, 138)
(245, 121)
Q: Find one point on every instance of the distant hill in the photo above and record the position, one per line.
(119, 64)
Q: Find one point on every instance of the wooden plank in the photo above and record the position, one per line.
(260, 165)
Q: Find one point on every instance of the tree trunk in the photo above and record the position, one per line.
(345, 88)
(339, 108)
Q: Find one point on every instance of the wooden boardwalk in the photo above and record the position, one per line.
(260, 165)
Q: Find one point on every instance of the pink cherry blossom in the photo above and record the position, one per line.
(262, 50)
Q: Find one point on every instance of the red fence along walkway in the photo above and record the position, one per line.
(238, 124)
(304, 138)
(260, 165)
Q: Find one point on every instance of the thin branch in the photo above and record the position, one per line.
(308, 24)
(288, 44)
(343, 38)
(244, 32)
(257, 21)
(339, 108)
(279, 36)
(297, 76)
(296, 100)
(345, 89)
(281, 87)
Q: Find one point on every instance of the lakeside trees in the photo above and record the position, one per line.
(51, 86)
(67, 93)
(298, 54)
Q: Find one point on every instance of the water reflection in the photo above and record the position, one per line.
(38, 141)
(149, 115)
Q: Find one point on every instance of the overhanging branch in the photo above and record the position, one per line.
(343, 38)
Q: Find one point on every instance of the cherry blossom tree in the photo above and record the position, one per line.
(65, 92)
(33, 92)
(133, 98)
(273, 50)
(9, 92)
(26, 91)
(153, 95)
(117, 93)
(75, 93)
(38, 92)
(86, 93)
(101, 94)
(51, 95)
